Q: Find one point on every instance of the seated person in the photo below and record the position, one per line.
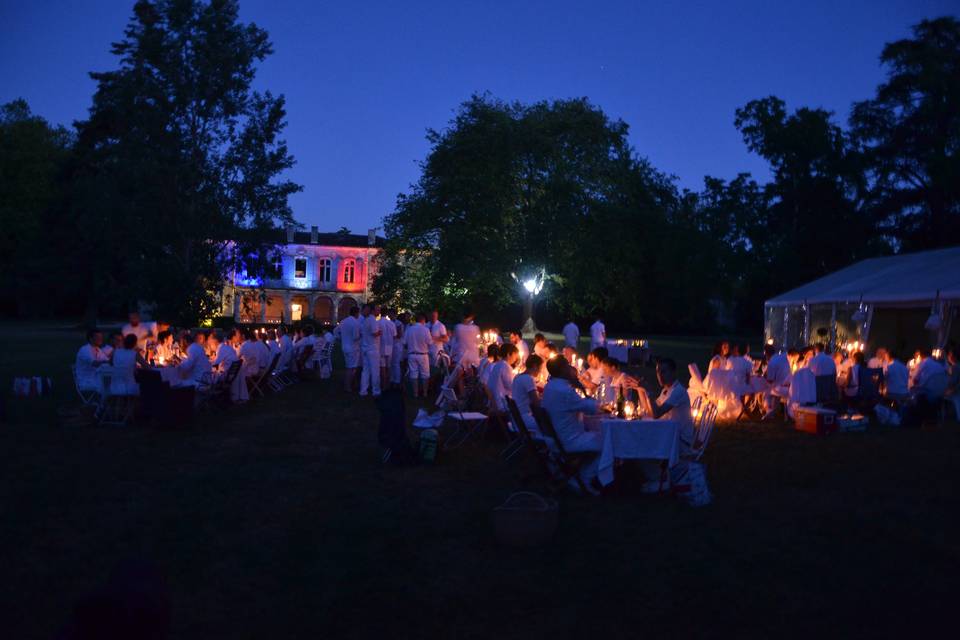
(896, 379)
(166, 351)
(195, 368)
(516, 339)
(540, 346)
(500, 377)
(249, 352)
(879, 359)
(115, 342)
(851, 380)
(721, 352)
(523, 390)
(565, 408)
(493, 356)
(822, 364)
(551, 350)
(89, 357)
(125, 361)
(225, 354)
(930, 378)
(618, 381)
(570, 354)
(777, 375)
(593, 376)
(673, 403)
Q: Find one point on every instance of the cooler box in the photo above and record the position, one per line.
(816, 420)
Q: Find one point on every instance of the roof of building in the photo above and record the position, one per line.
(325, 239)
(908, 278)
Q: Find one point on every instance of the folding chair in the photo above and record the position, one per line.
(568, 464)
(115, 409)
(88, 397)
(301, 362)
(540, 448)
(258, 383)
(828, 393)
(705, 417)
(468, 422)
(219, 390)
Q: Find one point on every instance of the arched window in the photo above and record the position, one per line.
(325, 265)
(349, 271)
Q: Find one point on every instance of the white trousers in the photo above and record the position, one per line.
(395, 359)
(370, 375)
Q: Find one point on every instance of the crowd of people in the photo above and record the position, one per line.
(914, 389)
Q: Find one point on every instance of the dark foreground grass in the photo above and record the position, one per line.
(277, 521)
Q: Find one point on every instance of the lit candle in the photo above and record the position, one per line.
(628, 410)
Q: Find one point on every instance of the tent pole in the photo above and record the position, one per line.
(806, 323)
(866, 325)
(833, 326)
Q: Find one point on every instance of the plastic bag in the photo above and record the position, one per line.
(887, 416)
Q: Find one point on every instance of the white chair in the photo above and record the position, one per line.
(88, 397)
(704, 419)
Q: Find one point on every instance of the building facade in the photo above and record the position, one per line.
(317, 275)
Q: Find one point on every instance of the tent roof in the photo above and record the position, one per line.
(902, 280)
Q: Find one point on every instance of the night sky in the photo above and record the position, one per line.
(364, 80)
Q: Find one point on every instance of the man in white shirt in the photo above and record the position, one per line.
(778, 377)
(523, 390)
(137, 328)
(89, 357)
(822, 364)
(226, 354)
(571, 334)
(930, 378)
(673, 403)
(438, 335)
(249, 353)
(196, 369)
(388, 334)
(286, 349)
(516, 339)
(879, 359)
(466, 351)
(565, 408)
(418, 341)
(598, 334)
(349, 329)
(370, 346)
(500, 379)
(896, 378)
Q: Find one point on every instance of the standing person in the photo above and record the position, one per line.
(370, 345)
(466, 351)
(399, 345)
(598, 334)
(438, 334)
(418, 339)
(388, 334)
(349, 330)
(516, 339)
(571, 334)
(89, 357)
(137, 328)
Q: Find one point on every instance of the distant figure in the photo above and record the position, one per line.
(370, 344)
(822, 364)
(388, 334)
(466, 350)
(598, 334)
(418, 339)
(721, 353)
(349, 330)
(438, 334)
(516, 339)
(137, 328)
(571, 334)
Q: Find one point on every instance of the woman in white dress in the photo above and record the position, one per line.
(125, 361)
(721, 355)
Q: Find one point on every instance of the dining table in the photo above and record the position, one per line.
(636, 439)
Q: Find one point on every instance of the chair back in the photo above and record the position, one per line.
(827, 390)
(704, 421)
(870, 381)
(304, 356)
(695, 373)
(516, 418)
(232, 372)
(546, 428)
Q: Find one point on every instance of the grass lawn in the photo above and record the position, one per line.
(277, 520)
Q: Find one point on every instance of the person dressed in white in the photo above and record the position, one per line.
(466, 350)
(500, 380)
(399, 344)
(226, 354)
(896, 378)
(565, 408)
(286, 350)
(880, 359)
(822, 364)
(778, 379)
(249, 353)
(388, 334)
(370, 345)
(195, 368)
(516, 339)
(930, 378)
(598, 334)
(486, 364)
(349, 334)
(673, 403)
(438, 334)
(125, 360)
(89, 357)
(719, 359)
(418, 340)
(115, 342)
(138, 328)
(263, 352)
(571, 334)
(523, 390)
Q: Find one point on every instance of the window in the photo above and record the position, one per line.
(278, 266)
(349, 271)
(300, 268)
(325, 266)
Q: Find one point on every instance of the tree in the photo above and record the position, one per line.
(509, 189)
(910, 136)
(178, 156)
(32, 158)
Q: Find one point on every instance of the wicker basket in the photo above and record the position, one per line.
(525, 519)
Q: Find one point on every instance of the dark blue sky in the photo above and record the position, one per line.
(364, 80)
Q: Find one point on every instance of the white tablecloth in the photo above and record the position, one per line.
(635, 439)
(170, 375)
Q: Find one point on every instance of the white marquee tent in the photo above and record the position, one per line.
(902, 302)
